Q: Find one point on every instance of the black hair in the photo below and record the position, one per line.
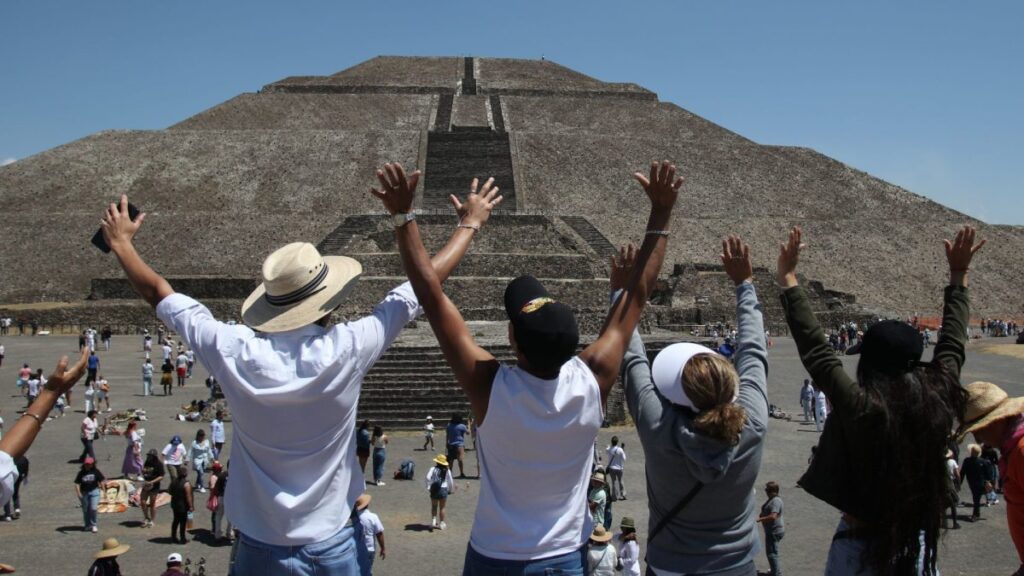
(378, 431)
(919, 408)
(615, 440)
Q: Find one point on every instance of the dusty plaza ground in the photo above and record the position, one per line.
(48, 538)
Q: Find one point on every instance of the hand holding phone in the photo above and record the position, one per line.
(100, 242)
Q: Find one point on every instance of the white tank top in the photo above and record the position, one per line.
(536, 449)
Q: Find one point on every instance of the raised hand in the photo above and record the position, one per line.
(62, 378)
(959, 253)
(477, 207)
(397, 190)
(622, 266)
(118, 227)
(789, 256)
(662, 186)
(736, 259)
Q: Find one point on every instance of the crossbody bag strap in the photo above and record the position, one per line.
(673, 512)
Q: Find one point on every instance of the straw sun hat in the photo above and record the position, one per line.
(363, 501)
(987, 403)
(441, 459)
(111, 547)
(600, 534)
(299, 287)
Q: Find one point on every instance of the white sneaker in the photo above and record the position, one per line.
(433, 522)
(381, 484)
(443, 526)
(202, 490)
(95, 529)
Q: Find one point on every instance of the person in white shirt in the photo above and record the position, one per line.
(3, 351)
(616, 462)
(372, 535)
(174, 456)
(820, 409)
(147, 377)
(88, 434)
(181, 366)
(536, 420)
(167, 350)
(629, 549)
(292, 485)
(601, 555)
(428, 433)
(217, 433)
(439, 484)
(33, 388)
(102, 393)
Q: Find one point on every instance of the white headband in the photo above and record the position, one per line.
(667, 371)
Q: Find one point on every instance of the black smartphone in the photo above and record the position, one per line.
(100, 242)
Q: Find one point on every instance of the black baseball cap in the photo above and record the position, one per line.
(891, 347)
(545, 329)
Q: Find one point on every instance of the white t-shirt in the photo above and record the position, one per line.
(182, 361)
(447, 482)
(89, 426)
(951, 468)
(174, 455)
(294, 482)
(33, 387)
(429, 428)
(371, 527)
(616, 457)
(217, 431)
(167, 352)
(629, 553)
(601, 560)
(536, 449)
(8, 474)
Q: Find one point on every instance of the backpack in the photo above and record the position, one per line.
(437, 484)
(406, 470)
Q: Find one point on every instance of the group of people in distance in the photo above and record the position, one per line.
(701, 418)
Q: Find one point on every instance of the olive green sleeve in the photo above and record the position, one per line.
(951, 347)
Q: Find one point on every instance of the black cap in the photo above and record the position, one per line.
(892, 347)
(545, 330)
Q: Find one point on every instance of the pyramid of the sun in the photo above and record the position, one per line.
(294, 162)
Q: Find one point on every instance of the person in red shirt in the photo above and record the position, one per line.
(998, 420)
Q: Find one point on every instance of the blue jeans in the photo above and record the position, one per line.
(771, 550)
(379, 454)
(571, 564)
(147, 385)
(846, 556)
(336, 556)
(90, 501)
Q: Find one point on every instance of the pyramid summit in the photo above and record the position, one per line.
(293, 162)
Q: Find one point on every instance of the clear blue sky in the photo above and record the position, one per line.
(928, 95)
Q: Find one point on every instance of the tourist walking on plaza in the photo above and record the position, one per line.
(440, 485)
(428, 433)
(222, 529)
(174, 454)
(702, 421)
(147, 377)
(3, 352)
(182, 507)
(953, 488)
(217, 432)
(88, 434)
(93, 366)
(975, 471)
(455, 442)
(12, 508)
(998, 420)
(371, 535)
(774, 526)
(616, 462)
(537, 420)
(181, 365)
(167, 377)
(629, 549)
(602, 558)
(889, 427)
(363, 444)
(807, 395)
(153, 472)
(90, 397)
(821, 409)
(102, 393)
(88, 482)
(105, 563)
(132, 465)
(289, 363)
(201, 454)
(379, 442)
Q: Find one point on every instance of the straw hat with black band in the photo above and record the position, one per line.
(299, 287)
(986, 404)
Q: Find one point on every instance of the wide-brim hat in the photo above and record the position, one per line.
(111, 547)
(363, 501)
(597, 477)
(600, 534)
(987, 403)
(299, 287)
(628, 523)
(441, 459)
(667, 370)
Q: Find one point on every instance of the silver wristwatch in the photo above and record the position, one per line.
(402, 219)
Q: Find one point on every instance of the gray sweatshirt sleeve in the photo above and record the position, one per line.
(643, 402)
(751, 356)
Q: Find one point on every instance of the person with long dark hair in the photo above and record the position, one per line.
(379, 441)
(152, 474)
(880, 457)
(181, 504)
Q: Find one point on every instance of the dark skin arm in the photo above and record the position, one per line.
(17, 441)
(473, 366)
(604, 356)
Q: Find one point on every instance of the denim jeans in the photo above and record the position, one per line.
(846, 555)
(771, 550)
(87, 449)
(90, 501)
(147, 385)
(335, 556)
(571, 564)
(379, 455)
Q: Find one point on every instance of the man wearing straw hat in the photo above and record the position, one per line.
(106, 558)
(998, 420)
(292, 381)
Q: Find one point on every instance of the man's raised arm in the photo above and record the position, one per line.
(473, 366)
(118, 231)
(605, 355)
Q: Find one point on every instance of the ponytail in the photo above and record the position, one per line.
(723, 422)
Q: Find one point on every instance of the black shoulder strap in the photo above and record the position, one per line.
(674, 511)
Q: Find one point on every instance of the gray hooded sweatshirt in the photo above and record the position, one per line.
(716, 531)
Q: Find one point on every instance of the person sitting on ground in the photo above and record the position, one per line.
(440, 485)
(896, 415)
(702, 420)
(997, 420)
(293, 484)
(536, 420)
